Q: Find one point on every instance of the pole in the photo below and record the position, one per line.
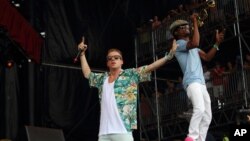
(238, 33)
(154, 44)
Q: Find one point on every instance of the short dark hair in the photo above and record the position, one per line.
(115, 50)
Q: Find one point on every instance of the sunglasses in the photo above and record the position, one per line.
(183, 27)
(115, 57)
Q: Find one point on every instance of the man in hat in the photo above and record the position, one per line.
(188, 55)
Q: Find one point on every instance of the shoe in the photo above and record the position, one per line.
(188, 139)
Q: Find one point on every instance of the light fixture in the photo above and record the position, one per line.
(43, 34)
(9, 63)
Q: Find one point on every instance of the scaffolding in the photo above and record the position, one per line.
(166, 116)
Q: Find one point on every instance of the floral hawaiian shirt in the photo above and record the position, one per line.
(125, 89)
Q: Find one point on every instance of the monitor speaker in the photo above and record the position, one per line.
(44, 134)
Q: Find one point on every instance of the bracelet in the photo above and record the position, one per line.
(169, 55)
(216, 46)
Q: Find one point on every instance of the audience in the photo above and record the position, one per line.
(247, 61)
(156, 23)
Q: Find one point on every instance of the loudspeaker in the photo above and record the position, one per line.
(44, 134)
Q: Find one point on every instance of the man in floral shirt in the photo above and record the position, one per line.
(118, 92)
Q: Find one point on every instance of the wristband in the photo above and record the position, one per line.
(169, 55)
(216, 46)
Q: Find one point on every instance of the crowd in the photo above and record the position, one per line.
(216, 14)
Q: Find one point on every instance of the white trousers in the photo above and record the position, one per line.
(202, 114)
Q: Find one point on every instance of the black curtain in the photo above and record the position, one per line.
(67, 22)
(69, 103)
(9, 88)
(2, 101)
(11, 91)
(2, 121)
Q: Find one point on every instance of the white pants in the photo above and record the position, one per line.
(202, 114)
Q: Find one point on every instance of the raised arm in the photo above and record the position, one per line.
(211, 53)
(168, 56)
(195, 40)
(84, 64)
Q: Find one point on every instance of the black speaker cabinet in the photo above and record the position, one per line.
(44, 134)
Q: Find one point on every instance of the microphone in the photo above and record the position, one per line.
(79, 52)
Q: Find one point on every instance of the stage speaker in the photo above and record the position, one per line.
(44, 134)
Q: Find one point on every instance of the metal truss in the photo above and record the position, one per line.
(174, 126)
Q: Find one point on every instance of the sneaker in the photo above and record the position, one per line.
(188, 139)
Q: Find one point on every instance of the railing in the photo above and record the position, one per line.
(222, 15)
(167, 114)
(174, 107)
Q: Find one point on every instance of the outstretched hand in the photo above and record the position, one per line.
(174, 46)
(220, 36)
(171, 53)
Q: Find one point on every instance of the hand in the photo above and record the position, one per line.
(194, 16)
(82, 46)
(171, 53)
(174, 46)
(219, 36)
(248, 118)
